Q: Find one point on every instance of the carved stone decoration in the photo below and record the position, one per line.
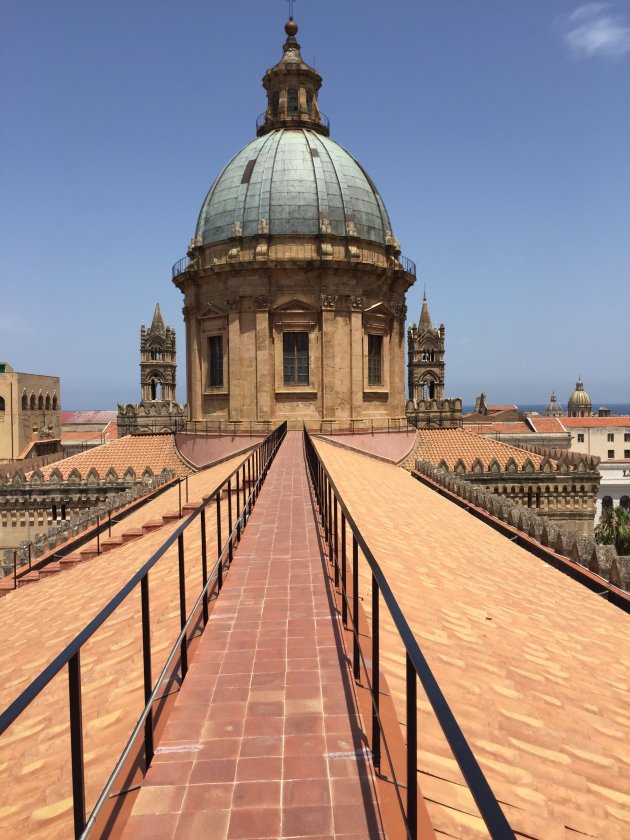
(233, 304)
(187, 311)
(399, 310)
(356, 303)
(262, 302)
(329, 301)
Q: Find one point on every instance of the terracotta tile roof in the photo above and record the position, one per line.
(548, 425)
(68, 417)
(449, 445)
(535, 667)
(138, 452)
(109, 432)
(495, 409)
(595, 422)
(507, 428)
(35, 787)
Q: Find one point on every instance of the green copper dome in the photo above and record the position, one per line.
(293, 181)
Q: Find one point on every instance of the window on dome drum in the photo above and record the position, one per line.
(292, 102)
(2, 405)
(611, 453)
(215, 361)
(275, 105)
(295, 358)
(309, 104)
(375, 359)
(611, 437)
(580, 438)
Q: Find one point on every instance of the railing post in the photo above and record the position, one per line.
(15, 569)
(182, 601)
(98, 534)
(356, 664)
(244, 492)
(249, 484)
(179, 488)
(329, 521)
(186, 489)
(229, 489)
(146, 656)
(238, 501)
(336, 542)
(219, 543)
(204, 564)
(412, 751)
(109, 522)
(376, 724)
(76, 743)
(344, 598)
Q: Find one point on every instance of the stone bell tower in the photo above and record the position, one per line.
(157, 411)
(157, 360)
(427, 407)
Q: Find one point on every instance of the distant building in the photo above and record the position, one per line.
(579, 404)
(426, 406)
(554, 409)
(158, 410)
(29, 414)
(81, 430)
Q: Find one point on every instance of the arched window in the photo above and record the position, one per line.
(309, 104)
(55, 404)
(33, 403)
(431, 390)
(2, 405)
(292, 102)
(607, 502)
(40, 402)
(47, 402)
(156, 354)
(156, 389)
(624, 502)
(275, 104)
(24, 401)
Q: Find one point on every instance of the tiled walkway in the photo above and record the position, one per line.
(264, 740)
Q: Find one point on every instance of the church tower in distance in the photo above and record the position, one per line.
(158, 411)
(157, 360)
(426, 406)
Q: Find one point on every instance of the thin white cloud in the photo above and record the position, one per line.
(593, 29)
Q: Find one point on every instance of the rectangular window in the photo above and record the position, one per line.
(215, 361)
(626, 437)
(611, 453)
(626, 453)
(292, 102)
(580, 438)
(375, 358)
(295, 358)
(611, 437)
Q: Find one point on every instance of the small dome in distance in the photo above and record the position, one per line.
(580, 404)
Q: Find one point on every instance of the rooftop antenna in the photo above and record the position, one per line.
(290, 2)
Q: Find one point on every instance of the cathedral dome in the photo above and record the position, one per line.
(293, 181)
(579, 402)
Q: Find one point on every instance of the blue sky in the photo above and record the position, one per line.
(497, 133)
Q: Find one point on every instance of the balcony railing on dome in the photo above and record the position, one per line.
(262, 119)
(241, 489)
(408, 265)
(345, 545)
(363, 255)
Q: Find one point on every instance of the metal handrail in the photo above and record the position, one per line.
(329, 500)
(256, 467)
(407, 264)
(261, 119)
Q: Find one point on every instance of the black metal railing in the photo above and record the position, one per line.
(408, 265)
(183, 265)
(335, 522)
(250, 474)
(288, 120)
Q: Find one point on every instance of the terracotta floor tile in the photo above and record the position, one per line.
(213, 770)
(306, 792)
(261, 745)
(254, 823)
(306, 821)
(256, 794)
(259, 768)
(207, 797)
(160, 800)
(305, 767)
